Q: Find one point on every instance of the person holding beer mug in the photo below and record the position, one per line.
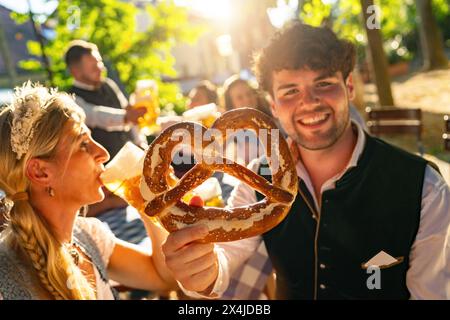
(109, 114)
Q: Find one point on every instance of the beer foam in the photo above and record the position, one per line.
(127, 164)
(209, 189)
(201, 112)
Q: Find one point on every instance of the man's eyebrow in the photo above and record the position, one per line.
(325, 75)
(321, 76)
(286, 86)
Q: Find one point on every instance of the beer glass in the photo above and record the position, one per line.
(146, 95)
(205, 114)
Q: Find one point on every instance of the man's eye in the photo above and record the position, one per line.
(291, 92)
(324, 84)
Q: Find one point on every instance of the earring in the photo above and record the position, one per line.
(50, 191)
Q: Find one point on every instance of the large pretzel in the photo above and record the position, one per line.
(225, 224)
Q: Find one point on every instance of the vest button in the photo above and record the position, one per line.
(322, 266)
(322, 287)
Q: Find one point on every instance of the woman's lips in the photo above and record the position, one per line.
(99, 177)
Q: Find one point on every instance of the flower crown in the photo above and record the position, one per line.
(29, 104)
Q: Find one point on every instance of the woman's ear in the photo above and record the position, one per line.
(39, 172)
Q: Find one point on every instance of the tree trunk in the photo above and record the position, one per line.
(430, 37)
(298, 11)
(5, 53)
(378, 61)
(41, 44)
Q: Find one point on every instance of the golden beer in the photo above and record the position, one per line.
(208, 122)
(215, 201)
(146, 95)
(129, 190)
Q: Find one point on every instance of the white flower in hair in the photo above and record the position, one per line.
(28, 106)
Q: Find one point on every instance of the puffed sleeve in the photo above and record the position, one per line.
(102, 236)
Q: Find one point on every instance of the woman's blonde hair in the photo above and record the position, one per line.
(26, 229)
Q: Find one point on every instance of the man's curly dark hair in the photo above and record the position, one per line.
(298, 46)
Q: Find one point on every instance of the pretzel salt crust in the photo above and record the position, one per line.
(224, 224)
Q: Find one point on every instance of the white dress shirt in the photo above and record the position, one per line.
(108, 118)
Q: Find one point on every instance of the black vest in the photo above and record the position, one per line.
(375, 206)
(113, 141)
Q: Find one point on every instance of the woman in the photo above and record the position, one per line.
(50, 169)
(238, 93)
(205, 92)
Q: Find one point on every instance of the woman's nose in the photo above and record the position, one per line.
(102, 155)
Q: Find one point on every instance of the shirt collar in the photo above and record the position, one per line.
(359, 147)
(330, 184)
(84, 86)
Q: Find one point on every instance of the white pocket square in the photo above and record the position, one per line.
(382, 260)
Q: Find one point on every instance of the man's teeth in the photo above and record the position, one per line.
(313, 120)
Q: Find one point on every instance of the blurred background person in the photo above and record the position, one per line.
(238, 93)
(203, 93)
(108, 113)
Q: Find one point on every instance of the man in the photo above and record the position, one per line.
(359, 198)
(108, 113)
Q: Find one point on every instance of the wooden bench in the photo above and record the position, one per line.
(396, 121)
(446, 135)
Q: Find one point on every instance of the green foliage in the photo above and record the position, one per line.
(19, 18)
(398, 22)
(111, 24)
(315, 12)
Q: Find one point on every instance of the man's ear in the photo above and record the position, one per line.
(272, 107)
(39, 172)
(350, 86)
(73, 69)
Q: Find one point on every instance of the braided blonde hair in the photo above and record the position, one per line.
(26, 230)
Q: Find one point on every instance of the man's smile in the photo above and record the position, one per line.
(313, 120)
